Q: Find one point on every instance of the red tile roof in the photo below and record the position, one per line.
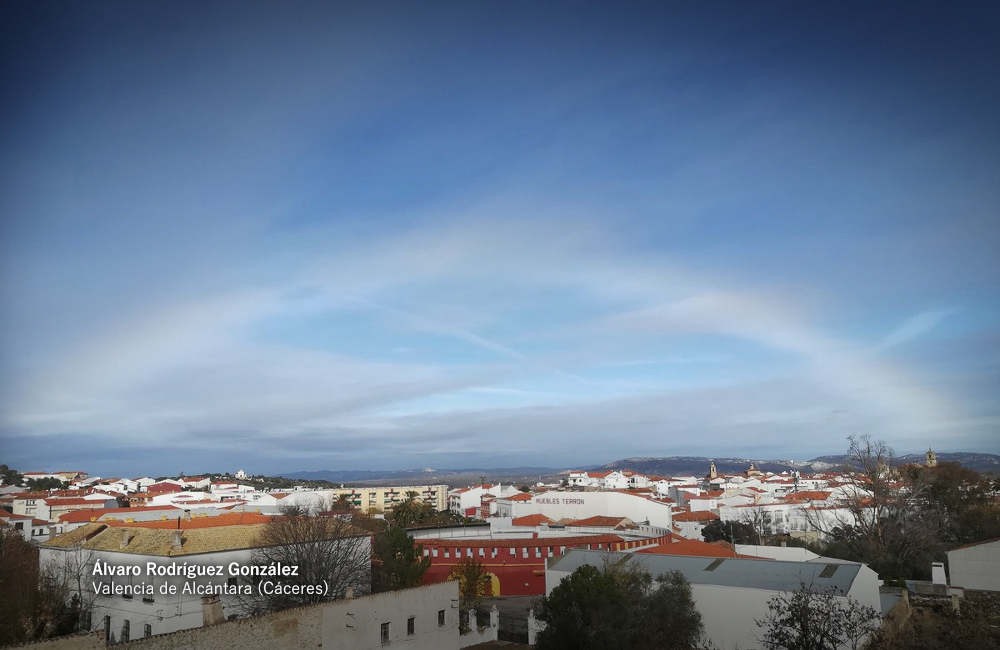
(164, 487)
(228, 519)
(603, 521)
(689, 547)
(6, 515)
(524, 496)
(86, 514)
(70, 501)
(531, 520)
(701, 515)
(572, 540)
(808, 495)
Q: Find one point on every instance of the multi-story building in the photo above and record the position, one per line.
(150, 578)
(372, 499)
(515, 559)
(579, 505)
(469, 501)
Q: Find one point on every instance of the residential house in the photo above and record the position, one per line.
(732, 594)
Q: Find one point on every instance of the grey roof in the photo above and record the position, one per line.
(771, 575)
(888, 601)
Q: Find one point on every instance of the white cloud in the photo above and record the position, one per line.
(915, 327)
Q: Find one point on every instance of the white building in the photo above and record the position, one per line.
(732, 593)
(368, 498)
(557, 505)
(976, 566)
(31, 529)
(424, 618)
(468, 501)
(148, 603)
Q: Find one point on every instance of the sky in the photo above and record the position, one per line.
(388, 235)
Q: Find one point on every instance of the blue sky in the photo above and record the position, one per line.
(389, 235)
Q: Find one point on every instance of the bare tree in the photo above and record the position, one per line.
(65, 578)
(879, 519)
(816, 619)
(42, 601)
(329, 552)
(760, 521)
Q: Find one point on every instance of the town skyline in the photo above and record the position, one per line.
(664, 465)
(336, 236)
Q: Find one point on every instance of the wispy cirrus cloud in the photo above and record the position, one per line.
(314, 241)
(916, 326)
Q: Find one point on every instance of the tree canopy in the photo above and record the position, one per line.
(737, 532)
(816, 619)
(473, 585)
(619, 606)
(400, 562)
(10, 476)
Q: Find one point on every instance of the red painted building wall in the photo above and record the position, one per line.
(517, 566)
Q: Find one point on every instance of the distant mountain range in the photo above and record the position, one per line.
(666, 466)
(428, 475)
(985, 463)
(698, 466)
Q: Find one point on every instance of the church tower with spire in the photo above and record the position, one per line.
(712, 473)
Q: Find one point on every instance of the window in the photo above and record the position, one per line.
(385, 633)
(411, 626)
(125, 628)
(829, 570)
(232, 581)
(147, 630)
(440, 618)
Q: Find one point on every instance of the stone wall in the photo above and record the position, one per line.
(898, 616)
(86, 641)
(423, 618)
(294, 629)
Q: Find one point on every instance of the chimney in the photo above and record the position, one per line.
(177, 540)
(187, 514)
(124, 541)
(211, 610)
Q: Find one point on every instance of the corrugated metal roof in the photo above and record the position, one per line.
(772, 575)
